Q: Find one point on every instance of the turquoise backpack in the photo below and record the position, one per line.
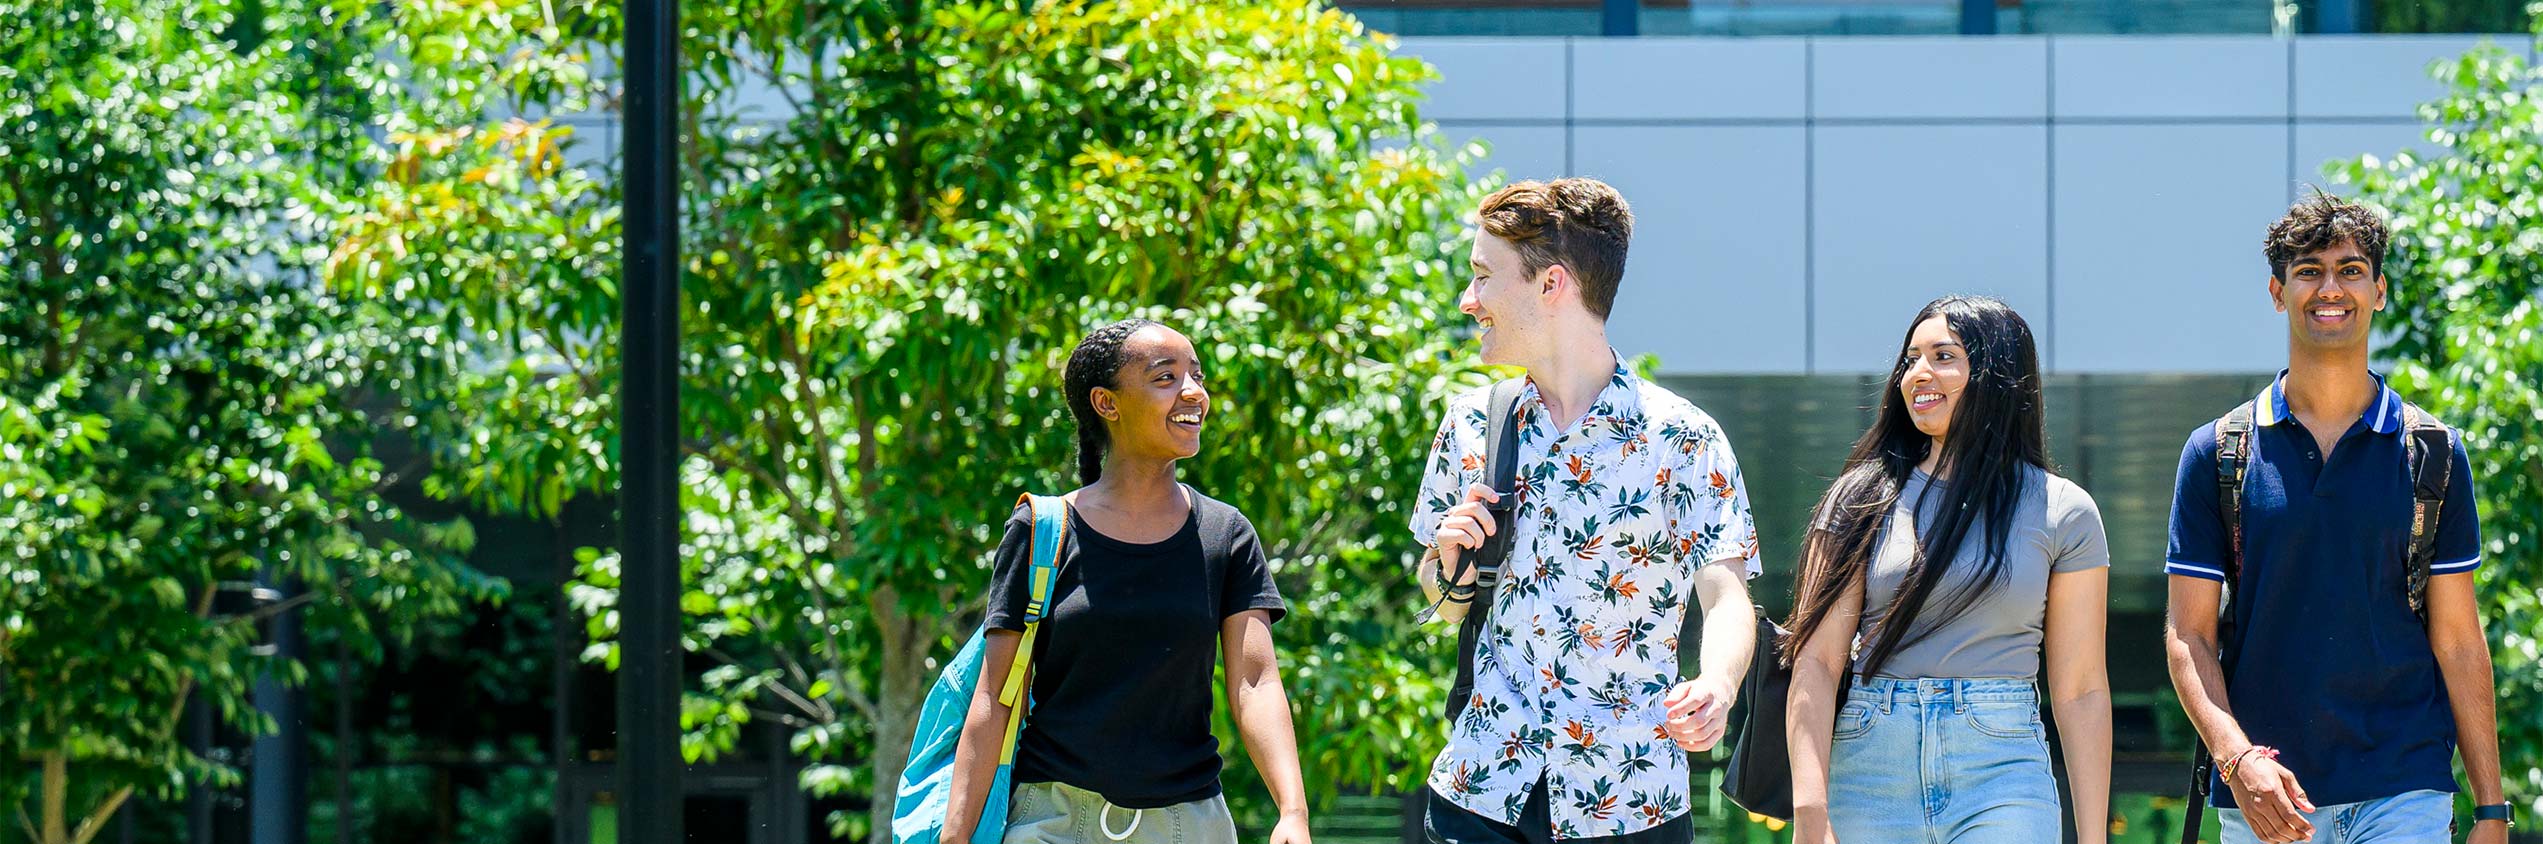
(918, 817)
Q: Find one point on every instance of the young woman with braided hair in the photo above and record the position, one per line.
(1153, 580)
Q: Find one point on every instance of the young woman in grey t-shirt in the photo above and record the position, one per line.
(1945, 567)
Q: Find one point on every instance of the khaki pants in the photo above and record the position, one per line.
(1058, 813)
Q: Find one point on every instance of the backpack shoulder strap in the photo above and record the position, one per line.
(2429, 448)
(1501, 434)
(1501, 461)
(1050, 529)
(2234, 450)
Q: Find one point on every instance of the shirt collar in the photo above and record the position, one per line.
(2383, 417)
(1620, 400)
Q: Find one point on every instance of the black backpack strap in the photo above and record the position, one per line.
(2234, 455)
(1501, 465)
(2431, 452)
(1501, 460)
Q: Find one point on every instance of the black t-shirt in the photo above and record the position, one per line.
(1121, 667)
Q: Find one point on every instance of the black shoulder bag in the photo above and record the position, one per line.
(1759, 774)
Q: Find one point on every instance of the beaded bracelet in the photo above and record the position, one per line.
(2235, 763)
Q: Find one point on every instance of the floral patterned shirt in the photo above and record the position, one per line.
(1581, 649)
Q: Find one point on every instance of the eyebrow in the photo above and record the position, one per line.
(1912, 347)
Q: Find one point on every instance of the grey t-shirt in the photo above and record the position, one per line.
(2056, 528)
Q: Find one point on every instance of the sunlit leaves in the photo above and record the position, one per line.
(183, 404)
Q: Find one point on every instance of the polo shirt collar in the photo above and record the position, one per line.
(2383, 417)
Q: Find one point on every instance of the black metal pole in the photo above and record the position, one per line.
(199, 800)
(345, 742)
(649, 670)
(278, 782)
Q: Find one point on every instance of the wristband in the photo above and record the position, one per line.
(2235, 762)
(2494, 812)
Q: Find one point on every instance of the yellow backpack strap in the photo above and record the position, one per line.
(1050, 532)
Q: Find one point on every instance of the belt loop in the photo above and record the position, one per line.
(1959, 696)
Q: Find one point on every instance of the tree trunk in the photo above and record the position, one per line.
(906, 640)
(57, 787)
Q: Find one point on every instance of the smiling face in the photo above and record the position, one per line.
(1504, 298)
(1937, 371)
(1157, 404)
(2329, 296)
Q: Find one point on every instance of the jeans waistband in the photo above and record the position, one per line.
(1944, 690)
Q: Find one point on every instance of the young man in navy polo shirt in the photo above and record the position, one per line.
(2344, 710)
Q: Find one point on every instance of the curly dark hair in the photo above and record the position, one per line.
(1095, 363)
(1581, 224)
(2320, 221)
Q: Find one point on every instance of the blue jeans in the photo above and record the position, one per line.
(2411, 816)
(1941, 761)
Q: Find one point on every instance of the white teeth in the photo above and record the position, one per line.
(2332, 312)
(1186, 418)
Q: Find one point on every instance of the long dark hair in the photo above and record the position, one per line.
(1095, 363)
(1994, 440)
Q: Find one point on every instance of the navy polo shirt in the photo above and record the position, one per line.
(2331, 666)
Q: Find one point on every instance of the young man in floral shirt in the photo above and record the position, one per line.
(1629, 501)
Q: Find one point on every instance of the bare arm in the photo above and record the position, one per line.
(2190, 646)
(2079, 692)
(2266, 792)
(1261, 707)
(1730, 621)
(1810, 713)
(984, 730)
(1700, 709)
(2463, 656)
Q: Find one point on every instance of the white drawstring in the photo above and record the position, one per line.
(1105, 820)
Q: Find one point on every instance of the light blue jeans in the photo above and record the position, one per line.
(2411, 816)
(1941, 761)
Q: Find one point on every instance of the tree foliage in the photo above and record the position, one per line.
(181, 403)
(898, 219)
(2453, 16)
(2467, 342)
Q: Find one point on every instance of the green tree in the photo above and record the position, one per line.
(182, 402)
(2452, 16)
(884, 275)
(2467, 342)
